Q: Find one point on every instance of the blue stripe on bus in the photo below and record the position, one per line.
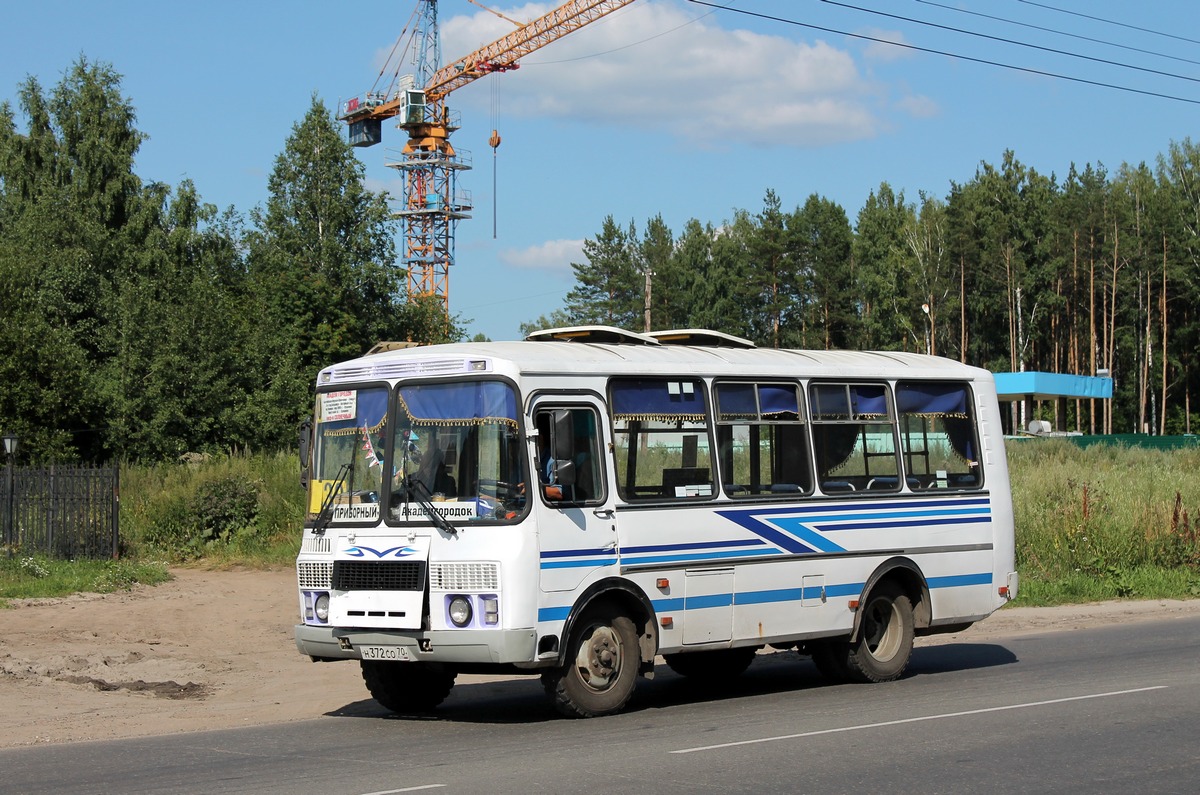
(897, 514)
(571, 553)
(797, 594)
(959, 580)
(553, 613)
(700, 556)
(773, 535)
(799, 528)
(708, 600)
(743, 542)
(920, 523)
(860, 505)
(608, 560)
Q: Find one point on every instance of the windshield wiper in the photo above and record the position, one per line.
(420, 491)
(325, 517)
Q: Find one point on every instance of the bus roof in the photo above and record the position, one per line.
(550, 356)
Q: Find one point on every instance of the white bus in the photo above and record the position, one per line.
(578, 503)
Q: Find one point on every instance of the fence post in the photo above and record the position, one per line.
(116, 510)
(10, 539)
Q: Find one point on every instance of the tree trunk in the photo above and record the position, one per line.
(1162, 305)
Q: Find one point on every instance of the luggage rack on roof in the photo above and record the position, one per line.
(611, 335)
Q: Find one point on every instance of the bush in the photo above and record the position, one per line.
(241, 507)
(223, 506)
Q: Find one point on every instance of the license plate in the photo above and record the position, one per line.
(398, 653)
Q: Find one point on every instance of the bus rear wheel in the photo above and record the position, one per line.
(406, 687)
(885, 637)
(601, 666)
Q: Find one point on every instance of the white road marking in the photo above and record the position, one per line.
(916, 720)
(406, 789)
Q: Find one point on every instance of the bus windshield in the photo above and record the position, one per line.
(456, 450)
(348, 456)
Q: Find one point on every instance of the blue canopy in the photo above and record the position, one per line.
(460, 403)
(774, 401)
(661, 400)
(932, 399)
(842, 402)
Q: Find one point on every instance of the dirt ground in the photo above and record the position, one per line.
(214, 650)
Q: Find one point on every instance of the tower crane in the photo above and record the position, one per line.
(431, 206)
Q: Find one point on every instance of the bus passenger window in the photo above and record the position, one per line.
(854, 438)
(937, 435)
(762, 440)
(661, 443)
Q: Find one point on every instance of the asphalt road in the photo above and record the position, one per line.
(1113, 709)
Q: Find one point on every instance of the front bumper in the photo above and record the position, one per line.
(443, 646)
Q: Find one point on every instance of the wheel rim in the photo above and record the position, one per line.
(598, 662)
(881, 630)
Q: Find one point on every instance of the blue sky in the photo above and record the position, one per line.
(666, 106)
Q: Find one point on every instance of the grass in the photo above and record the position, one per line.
(1105, 522)
(36, 576)
(1091, 524)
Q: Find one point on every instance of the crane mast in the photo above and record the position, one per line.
(432, 205)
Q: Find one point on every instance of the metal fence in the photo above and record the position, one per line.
(61, 511)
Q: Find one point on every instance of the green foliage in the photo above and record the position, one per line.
(223, 506)
(152, 325)
(218, 508)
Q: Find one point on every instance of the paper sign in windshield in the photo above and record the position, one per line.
(338, 405)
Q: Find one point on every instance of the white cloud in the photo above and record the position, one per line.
(663, 67)
(882, 52)
(553, 255)
(918, 106)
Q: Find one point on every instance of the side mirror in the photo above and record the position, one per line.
(305, 444)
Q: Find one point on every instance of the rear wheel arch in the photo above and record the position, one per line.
(905, 575)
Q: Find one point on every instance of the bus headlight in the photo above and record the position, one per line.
(321, 607)
(459, 610)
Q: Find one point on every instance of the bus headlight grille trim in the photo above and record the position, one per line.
(466, 576)
(314, 576)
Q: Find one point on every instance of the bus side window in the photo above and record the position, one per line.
(661, 442)
(937, 435)
(854, 438)
(762, 440)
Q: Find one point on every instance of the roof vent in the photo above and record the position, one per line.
(609, 335)
(701, 337)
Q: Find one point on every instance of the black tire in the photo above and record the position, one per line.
(885, 637)
(831, 658)
(712, 666)
(601, 666)
(407, 687)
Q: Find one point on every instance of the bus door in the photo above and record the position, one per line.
(571, 500)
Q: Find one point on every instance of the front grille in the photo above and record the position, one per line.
(314, 576)
(353, 575)
(465, 576)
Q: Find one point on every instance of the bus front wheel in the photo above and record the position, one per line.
(601, 666)
(407, 687)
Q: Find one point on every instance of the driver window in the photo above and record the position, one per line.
(568, 456)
